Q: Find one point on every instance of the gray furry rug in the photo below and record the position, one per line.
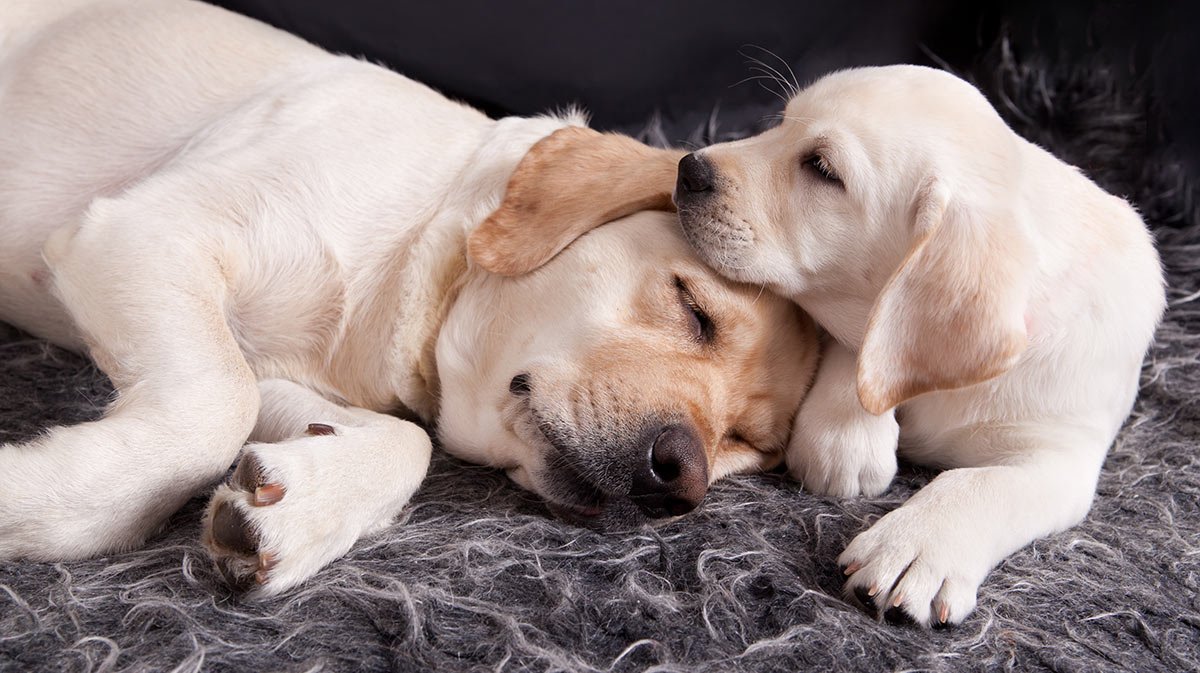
(477, 576)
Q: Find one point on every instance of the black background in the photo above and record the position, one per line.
(626, 60)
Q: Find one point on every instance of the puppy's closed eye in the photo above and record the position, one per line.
(819, 166)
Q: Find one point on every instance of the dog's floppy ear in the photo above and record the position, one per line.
(953, 313)
(569, 183)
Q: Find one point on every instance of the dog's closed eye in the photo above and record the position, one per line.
(702, 328)
(819, 166)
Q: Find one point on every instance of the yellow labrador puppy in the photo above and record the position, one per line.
(989, 305)
(258, 240)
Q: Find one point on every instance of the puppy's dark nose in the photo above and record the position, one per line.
(672, 476)
(696, 177)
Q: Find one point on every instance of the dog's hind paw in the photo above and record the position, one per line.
(229, 534)
(292, 507)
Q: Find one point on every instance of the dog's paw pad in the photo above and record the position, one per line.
(231, 531)
(233, 542)
(896, 616)
(865, 601)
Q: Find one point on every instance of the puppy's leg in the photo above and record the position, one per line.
(333, 475)
(837, 448)
(149, 303)
(927, 559)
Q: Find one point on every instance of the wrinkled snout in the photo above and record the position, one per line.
(696, 180)
(671, 477)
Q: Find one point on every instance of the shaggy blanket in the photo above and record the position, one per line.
(476, 575)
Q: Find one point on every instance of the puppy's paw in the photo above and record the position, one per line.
(857, 457)
(292, 507)
(911, 566)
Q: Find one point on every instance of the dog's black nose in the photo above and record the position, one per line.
(696, 176)
(519, 385)
(672, 476)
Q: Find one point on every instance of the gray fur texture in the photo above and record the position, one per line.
(476, 576)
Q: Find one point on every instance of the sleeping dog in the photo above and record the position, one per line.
(988, 309)
(257, 240)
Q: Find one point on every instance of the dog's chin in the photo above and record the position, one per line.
(725, 248)
(573, 499)
(615, 515)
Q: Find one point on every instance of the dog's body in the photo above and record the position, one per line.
(242, 230)
(994, 297)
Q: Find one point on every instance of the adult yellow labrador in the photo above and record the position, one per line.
(258, 240)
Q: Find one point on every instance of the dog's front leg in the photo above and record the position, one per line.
(837, 447)
(329, 475)
(926, 560)
(148, 299)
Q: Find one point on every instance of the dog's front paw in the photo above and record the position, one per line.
(916, 566)
(294, 506)
(854, 457)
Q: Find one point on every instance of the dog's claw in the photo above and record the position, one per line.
(320, 429)
(268, 494)
(231, 530)
(943, 620)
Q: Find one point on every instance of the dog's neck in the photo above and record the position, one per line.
(841, 310)
(386, 360)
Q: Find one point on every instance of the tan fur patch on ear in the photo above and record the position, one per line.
(953, 313)
(569, 183)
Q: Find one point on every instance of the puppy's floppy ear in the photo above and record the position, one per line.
(569, 183)
(953, 314)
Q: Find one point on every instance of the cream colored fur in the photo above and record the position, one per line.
(989, 308)
(250, 235)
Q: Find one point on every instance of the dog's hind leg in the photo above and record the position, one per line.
(329, 475)
(146, 285)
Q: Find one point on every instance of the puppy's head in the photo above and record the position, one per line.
(622, 376)
(887, 203)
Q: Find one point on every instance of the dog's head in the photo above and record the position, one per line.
(620, 376)
(887, 203)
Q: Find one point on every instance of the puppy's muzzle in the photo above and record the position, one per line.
(672, 477)
(696, 181)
